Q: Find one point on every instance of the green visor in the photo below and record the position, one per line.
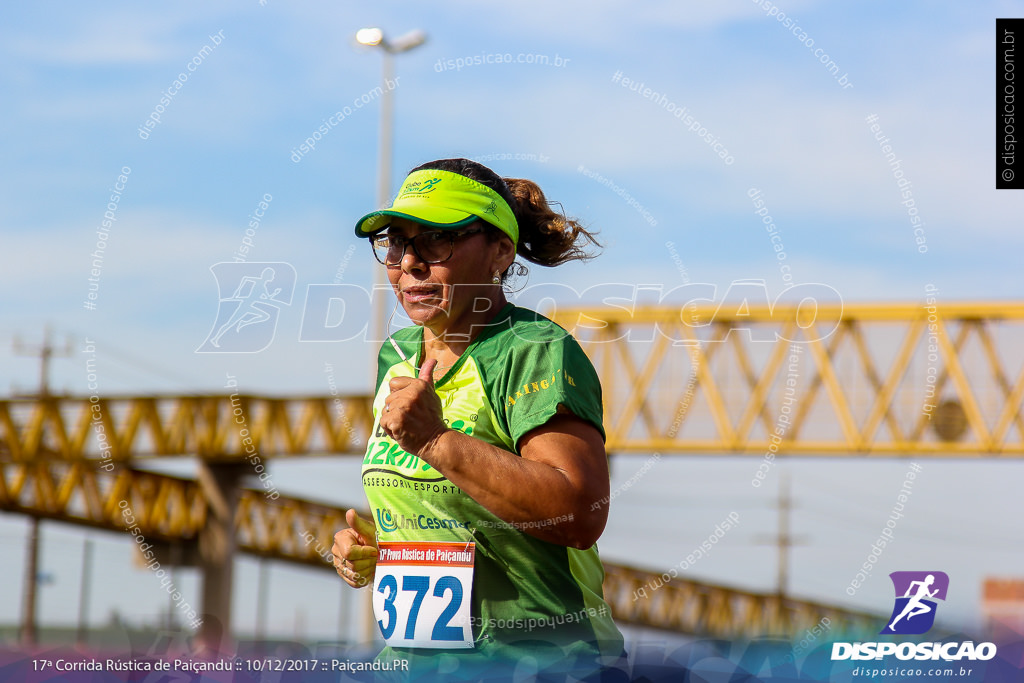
(445, 200)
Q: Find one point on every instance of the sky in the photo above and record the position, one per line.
(594, 101)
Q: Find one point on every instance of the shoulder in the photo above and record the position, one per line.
(529, 326)
(525, 336)
(538, 371)
(529, 343)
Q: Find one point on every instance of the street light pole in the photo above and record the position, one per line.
(387, 125)
(380, 278)
(374, 37)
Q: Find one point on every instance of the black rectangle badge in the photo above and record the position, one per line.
(1009, 160)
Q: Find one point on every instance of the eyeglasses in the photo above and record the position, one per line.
(433, 246)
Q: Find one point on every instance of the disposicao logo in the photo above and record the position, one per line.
(913, 614)
(914, 611)
(251, 296)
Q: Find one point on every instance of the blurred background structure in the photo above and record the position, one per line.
(720, 387)
(735, 158)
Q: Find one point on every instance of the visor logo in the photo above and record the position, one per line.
(419, 187)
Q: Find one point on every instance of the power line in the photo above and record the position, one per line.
(127, 359)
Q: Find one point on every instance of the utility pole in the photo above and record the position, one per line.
(85, 588)
(783, 540)
(46, 353)
(28, 610)
(262, 593)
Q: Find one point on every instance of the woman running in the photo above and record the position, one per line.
(486, 473)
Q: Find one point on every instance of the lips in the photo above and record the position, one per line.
(418, 293)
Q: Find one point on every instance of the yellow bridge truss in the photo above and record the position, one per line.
(176, 510)
(871, 380)
(878, 380)
(825, 379)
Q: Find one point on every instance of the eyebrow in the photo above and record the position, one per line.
(399, 231)
(392, 231)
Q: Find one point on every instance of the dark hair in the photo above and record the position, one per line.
(546, 238)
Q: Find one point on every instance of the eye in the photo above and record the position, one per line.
(435, 237)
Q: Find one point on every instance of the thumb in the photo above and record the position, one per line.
(366, 530)
(427, 371)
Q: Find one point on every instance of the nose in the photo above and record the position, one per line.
(411, 261)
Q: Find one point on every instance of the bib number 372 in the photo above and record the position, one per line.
(422, 594)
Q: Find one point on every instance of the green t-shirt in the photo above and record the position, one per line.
(528, 596)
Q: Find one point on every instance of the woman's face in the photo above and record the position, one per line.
(440, 296)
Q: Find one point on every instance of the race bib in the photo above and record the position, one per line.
(422, 594)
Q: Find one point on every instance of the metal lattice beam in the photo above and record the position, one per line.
(173, 510)
(212, 427)
(703, 379)
(877, 380)
(703, 609)
(165, 508)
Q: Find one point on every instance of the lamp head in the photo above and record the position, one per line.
(369, 36)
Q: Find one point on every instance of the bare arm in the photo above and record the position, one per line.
(549, 492)
(556, 491)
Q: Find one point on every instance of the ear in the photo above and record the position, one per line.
(504, 254)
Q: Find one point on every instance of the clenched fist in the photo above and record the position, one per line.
(412, 411)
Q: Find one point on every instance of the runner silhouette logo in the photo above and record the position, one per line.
(916, 593)
(250, 300)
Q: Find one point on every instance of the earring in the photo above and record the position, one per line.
(496, 279)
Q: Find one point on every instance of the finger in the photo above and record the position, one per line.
(399, 383)
(357, 580)
(361, 553)
(352, 579)
(363, 567)
(427, 371)
(343, 538)
(355, 574)
(343, 541)
(364, 528)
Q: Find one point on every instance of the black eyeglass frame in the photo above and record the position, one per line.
(451, 234)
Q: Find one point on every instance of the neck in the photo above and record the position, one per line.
(453, 338)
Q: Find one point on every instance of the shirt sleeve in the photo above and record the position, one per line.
(541, 376)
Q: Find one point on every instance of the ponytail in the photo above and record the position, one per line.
(545, 237)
